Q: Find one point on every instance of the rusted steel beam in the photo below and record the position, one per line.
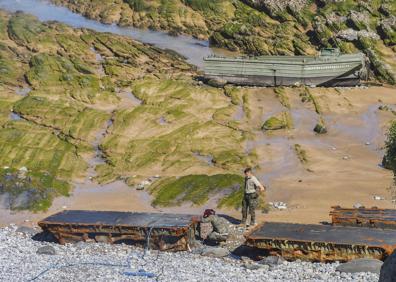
(322, 243)
(368, 217)
(172, 232)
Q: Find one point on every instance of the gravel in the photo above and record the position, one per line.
(19, 261)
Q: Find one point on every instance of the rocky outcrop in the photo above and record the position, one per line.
(387, 29)
(358, 20)
(388, 269)
(353, 35)
(381, 69)
(280, 121)
(320, 128)
(278, 9)
(263, 27)
(361, 265)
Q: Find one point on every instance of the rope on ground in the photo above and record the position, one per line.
(140, 273)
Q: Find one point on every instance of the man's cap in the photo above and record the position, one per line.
(209, 212)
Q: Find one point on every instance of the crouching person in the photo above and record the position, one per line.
(220, 226)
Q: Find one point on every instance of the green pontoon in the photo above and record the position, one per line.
(329, 68)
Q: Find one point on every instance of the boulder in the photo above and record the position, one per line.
(388, 269)
(26, 230)
(358, 206)
(217, 82)
(255, 266)
(320, 129)
(361, 265)
(385, 9)
(46, 250)
(216, 252)
(358, 20)
(272, 260)
(387, 29)
(273, 123)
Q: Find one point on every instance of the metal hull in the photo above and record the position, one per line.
(268, 81)
(324, 70)
(322, 242)
(368, 217)
(165, 232)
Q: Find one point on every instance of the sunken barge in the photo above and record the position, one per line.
(159, 231)
(329, 68)
(322, 243)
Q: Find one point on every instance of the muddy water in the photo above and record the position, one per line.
(204, 158)
(363, 128)
(98, 157)
(128, 100)
(23, 91)
(279, 156)
(194, 50)
(162, 121)
(15, 116)
(239, 114)
(99, 59)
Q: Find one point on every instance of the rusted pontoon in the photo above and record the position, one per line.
(172, 232)
(323, 243)
(369, 217)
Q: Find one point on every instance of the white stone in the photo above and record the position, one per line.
(23, 169)
(358, 206)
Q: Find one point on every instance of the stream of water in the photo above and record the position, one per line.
(193, 49)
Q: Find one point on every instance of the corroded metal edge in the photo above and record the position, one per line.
(168, 238)
(367, 217)
(317, 250)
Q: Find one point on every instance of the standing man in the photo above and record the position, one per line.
(249, 202)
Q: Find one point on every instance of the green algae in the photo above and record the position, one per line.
(389, 160)
(30, 190)
(301, 153)
(193, 188)
(25, 144)
(71, 118)
(281, 121)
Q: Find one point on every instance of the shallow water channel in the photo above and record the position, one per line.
(193, 49)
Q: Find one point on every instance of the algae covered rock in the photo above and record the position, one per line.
(389, 160)
(193, 188)
(387, 29)
(320, 128)
(253, 27)
(382, 70)
(273, 123)
(358, 20)
(217, 82)
(281, 121)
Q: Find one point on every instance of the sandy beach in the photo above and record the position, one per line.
(343, 166)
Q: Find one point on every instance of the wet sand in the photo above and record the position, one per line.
(343, 166)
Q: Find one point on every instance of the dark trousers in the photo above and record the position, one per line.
(249, 203)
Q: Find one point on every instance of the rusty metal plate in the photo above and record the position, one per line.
(322, 242)
(166, 231)
(369, 217)
(157, 220)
